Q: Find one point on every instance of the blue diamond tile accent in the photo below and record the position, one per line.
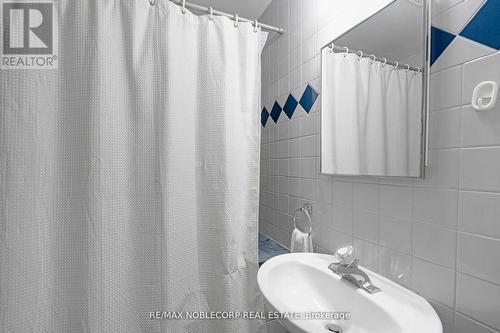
(440, 40)
(264, 115)
(308, 98)
(275, 111)
(290, 106)
(484, 27)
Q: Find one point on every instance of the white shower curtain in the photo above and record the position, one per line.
(371, 117)
(129, 176)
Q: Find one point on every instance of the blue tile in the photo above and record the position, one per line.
(264, 115)
(308, 98)
(275, 111)
(484, 27)
(268, 248)
(440, 40)
(290, 106)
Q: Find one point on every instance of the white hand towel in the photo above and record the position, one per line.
(301, 241)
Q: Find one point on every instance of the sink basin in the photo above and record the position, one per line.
(299, 286)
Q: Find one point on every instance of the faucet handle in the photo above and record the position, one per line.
(345, 255)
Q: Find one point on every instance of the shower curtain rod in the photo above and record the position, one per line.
(231, 16)
(396, 64)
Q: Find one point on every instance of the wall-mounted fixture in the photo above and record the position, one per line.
(485, 96)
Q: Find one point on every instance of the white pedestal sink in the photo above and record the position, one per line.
(300, 284)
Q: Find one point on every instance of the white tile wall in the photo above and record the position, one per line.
(439, 236)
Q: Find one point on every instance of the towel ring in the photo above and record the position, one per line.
(307, 209)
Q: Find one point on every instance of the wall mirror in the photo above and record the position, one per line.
(374, 81)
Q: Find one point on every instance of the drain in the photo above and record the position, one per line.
(334, 328)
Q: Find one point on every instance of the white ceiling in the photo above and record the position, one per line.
(250, 9)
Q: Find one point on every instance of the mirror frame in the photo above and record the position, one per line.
(424, 137)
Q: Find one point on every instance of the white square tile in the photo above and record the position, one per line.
(308, 188)
(308, 125)
(436, 206)
(395, 234)
(283, 203)
(467, 325)
(481, 128)
(444, 129)
(434, 281)
(296, 78)
(294, 167)
(310, 70)
(479, 169)
(366, 226)
(294, 130)
(396, 201)
(324, 191)
(308, 167)
(366, 197)
(283, 185)
(439, 6)
(283, 149)
(342, 219)
(445, 88)
(342, 193)
(367, 252)
(434, 244)
(479, 213)
(295, 23)
(308, 146)
(395, 265)
(308, 18)
(309, 48)
(478, 299)
(474, 257)
(284, 87)
(294, 147)
(294, 189)
(284, 65)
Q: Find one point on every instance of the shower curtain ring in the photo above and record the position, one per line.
(360, 55)
(374, 58)
(346, 51)
(236, 19)
(255, 26)
(407, 67)
(152, 2)
(210, 13)
(396, 65)
(332, 47)
(183, 10)
(385, 62)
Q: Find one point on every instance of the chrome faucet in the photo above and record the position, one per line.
(348, 269)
